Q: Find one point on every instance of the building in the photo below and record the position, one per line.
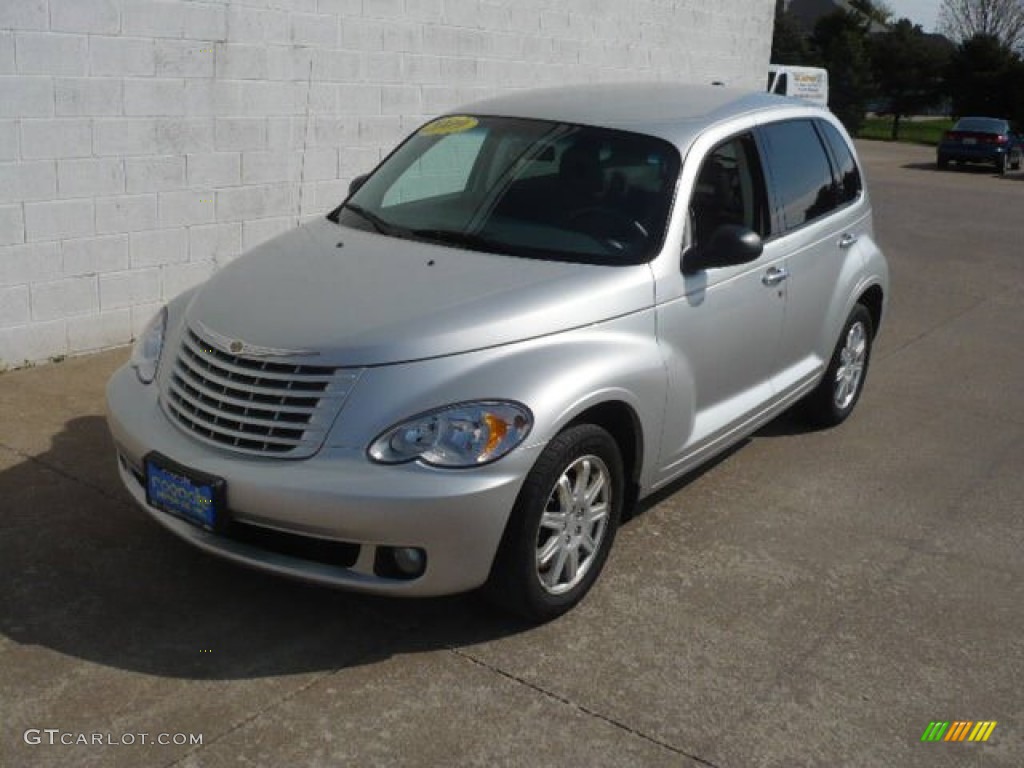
(144, 143)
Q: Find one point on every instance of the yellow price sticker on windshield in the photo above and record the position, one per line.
(447, 125)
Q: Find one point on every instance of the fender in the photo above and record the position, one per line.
(557, 377)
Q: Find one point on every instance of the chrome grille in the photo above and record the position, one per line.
(250, 404)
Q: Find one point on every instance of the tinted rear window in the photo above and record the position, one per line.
(981, 125)
(847, 172)
(800, 171)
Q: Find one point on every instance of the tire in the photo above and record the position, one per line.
(1001, 164)
(942, 162)
(836, 396)
(554, 526)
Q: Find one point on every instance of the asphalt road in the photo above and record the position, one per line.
(812, 599)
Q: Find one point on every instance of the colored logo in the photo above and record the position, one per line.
(958, 730)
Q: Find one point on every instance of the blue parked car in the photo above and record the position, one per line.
(981, 140)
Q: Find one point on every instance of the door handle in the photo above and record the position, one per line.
(847, 240)
(774, 276)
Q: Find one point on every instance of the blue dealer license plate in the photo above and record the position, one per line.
(186, 493)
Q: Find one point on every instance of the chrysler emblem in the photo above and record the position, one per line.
(239, 347)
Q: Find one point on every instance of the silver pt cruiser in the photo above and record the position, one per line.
(532, 313)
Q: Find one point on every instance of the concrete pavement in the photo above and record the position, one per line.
(813, 598)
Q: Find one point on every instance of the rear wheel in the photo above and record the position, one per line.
(942, 162)
(1001, 164)
(561, 527)
(837, 394)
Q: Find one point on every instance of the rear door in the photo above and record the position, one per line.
(818, 194)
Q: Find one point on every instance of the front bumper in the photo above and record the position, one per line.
(337, 498)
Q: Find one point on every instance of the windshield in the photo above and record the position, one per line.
(523, 187)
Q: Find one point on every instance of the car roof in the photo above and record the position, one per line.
(677, 112)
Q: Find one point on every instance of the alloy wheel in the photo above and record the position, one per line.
(573, 524)
(851, 366)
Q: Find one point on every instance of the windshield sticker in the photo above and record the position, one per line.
(447, 125)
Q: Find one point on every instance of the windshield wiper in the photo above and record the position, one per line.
(379, 224)
(459, 239)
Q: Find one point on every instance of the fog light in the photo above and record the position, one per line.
(410, 561)
(400, 562)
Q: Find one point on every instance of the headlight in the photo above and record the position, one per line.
(146, 352)
(461, 435)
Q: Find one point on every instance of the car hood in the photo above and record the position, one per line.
(357, 298)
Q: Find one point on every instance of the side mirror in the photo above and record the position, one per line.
(356, 183)
(728, 246)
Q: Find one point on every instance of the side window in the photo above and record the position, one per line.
(800, 171)
(847, 172)
(730, 190)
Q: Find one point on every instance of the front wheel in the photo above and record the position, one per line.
(561, 527)
(837, 394)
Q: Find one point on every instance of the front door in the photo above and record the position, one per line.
(720, 334)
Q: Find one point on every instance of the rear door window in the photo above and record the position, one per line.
(800, 172)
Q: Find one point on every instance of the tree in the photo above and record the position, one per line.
(962, 20)
(908, 68)
(875, 10)
(1015, 92)
(984, 78)
(840, 38)
(789, 41)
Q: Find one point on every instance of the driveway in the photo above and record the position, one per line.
(813, 598)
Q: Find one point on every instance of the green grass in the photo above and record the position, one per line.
(912, 131)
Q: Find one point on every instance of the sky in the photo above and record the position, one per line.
(923, 12)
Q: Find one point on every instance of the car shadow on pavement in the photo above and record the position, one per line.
(972, 169)
(641, 507)
(787, 424)
(923, 167)
(87, 574)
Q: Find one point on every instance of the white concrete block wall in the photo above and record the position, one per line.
(145, 143)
